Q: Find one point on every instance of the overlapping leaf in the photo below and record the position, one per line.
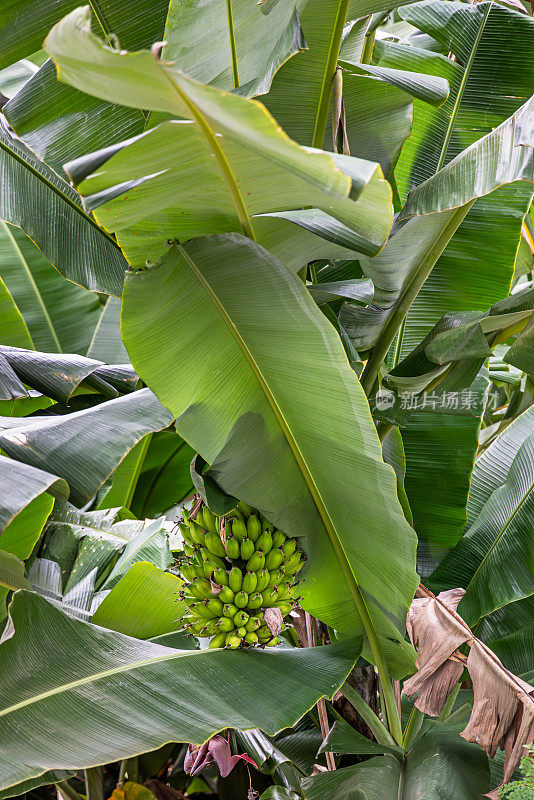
(200, 40)
(499, 536)
(263, 446)
(84, 447)
(154, 188)
(109, 696)
(60, 316)
(59, 375)
(437, 759)
(33, 197)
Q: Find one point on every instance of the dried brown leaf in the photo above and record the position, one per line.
(274, 620)
(437, 630)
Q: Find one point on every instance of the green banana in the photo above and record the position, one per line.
(265, 542)
(227, 587)
(255, 601)
(226, 595)
(256, 562)
(254, 623)
(214, 544)
(201, 610)
(253, 528)
(241, 618)
(210, 629)
(278, 538)
(274, 559)
(215, 605)
(235, 579)
(263, 579)
(220, 576)
(232, 547)
(250, 581)
(247, 548)
(289, 547)
(219, 640)
(241, 599)
(239, 529)
(225, 624)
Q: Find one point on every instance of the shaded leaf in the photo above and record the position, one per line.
(133, 696)
(499, 536)
(71, 445)
(150, 544)
(12, 572)
(60, 316)
(144, 603)
(33, 197)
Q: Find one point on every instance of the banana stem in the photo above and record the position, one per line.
(408, 295)
(413, 726)
(380, 732)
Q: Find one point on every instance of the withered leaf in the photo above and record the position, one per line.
(274, 620)
(437, 631)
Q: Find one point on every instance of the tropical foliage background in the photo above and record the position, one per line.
(282, 253)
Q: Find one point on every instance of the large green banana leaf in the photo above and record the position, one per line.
(33, 197)
(481, 96)
(13, 328)
(500, 536)
(312, 481)
(492, 467)
(154, 188)
(60, 316)
(299, 97)
(108, 696)
(84, 447)
(238, 44)
(25, 23)
(439, 764)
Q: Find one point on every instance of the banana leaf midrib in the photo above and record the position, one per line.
(66, 687)
(502, 531)
(220, 155)
(461, 89)
(50, 185)
(34, 287)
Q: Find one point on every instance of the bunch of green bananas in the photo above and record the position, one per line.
(235, 568)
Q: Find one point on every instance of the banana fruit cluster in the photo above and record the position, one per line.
(239, 576)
